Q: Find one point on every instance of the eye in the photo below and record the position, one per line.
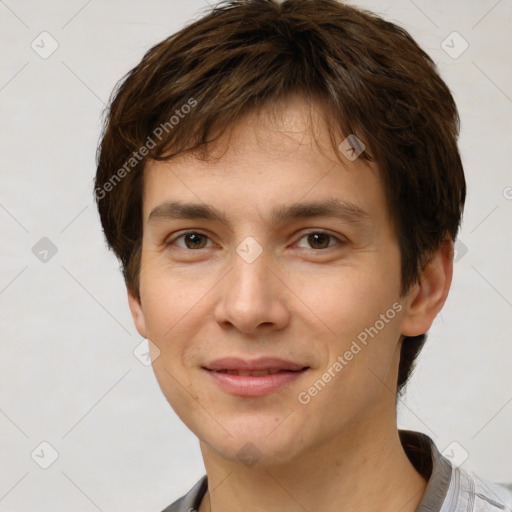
(191, 239)
(319, 240)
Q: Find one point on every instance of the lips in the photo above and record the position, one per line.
(254, 378)
(262, 366)
(255, 373)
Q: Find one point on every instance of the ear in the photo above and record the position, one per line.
(426, 298)
(137, 313)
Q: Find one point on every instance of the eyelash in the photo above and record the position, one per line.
(340, 241)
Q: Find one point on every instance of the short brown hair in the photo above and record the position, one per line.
(370, 75)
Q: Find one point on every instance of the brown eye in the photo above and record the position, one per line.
(192, 240)
(195, 240)
(318, 240)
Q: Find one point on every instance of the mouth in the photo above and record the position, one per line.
(256, 373)
(262, 364)
(254, 378)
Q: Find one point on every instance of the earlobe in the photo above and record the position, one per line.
(426, 298)
(137, 313)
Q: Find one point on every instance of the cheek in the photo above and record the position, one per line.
(358, 316)
(172, 300)
(347, 300)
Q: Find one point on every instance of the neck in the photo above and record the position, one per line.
(363, 470)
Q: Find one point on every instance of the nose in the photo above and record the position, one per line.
(252, 297)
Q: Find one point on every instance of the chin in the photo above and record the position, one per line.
(262, 443)
(251, 454)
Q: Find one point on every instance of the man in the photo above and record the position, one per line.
(282, 185)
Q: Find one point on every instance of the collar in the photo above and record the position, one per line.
(427, 460)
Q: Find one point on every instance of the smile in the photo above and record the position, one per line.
(253, 377)
(255, 373)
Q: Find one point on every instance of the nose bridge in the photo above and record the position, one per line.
(249, 284)
(250, 263)
(250, 294)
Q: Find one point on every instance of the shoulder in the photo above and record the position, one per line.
(450, 487)
(481, 495)
(190, 501)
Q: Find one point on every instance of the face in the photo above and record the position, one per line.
(277, 255)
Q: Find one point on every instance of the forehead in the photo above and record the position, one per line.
(277, 156)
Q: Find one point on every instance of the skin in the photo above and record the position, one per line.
(298, 301)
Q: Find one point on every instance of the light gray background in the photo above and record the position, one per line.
(68, 375)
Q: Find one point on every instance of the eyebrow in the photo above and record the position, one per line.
(336, 208)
